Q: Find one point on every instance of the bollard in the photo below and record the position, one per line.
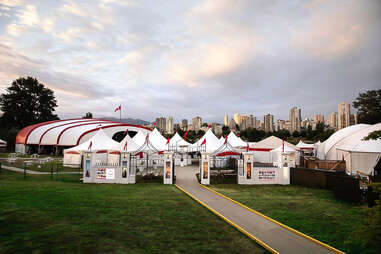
(51, 171)
(24, 170)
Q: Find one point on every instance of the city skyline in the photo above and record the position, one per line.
(156, 58)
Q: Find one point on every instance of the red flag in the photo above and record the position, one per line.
(226, 139)
(185, 136)
(91, 144)
(141, 155)
(167, 142)
(147, 136)
(208, 126)
(247, 147)
(118, 108)
(238, 134)
(154, 124)
(125, 132)
(204, 142)
(125, 147)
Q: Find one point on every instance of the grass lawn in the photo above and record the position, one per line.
(39, 215)
(43, 167)
(315, 212)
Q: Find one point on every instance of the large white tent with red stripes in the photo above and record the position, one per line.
(60, 134)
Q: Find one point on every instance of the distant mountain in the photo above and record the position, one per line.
(127, 120)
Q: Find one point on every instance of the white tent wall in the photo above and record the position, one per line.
(262, 156)
(113, 158)
(71, 159)
(359, 161)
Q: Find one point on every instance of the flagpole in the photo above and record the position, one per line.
(120, 114)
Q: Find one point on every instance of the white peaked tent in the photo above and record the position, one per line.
(303, 145)
(178, 141)
(262, 148)
(114, 153)
(222, 138)
(157, 140)
(212, 142)
(236, 141)
(139, 138)
(99, 142)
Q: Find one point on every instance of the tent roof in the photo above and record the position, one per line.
(100, 141)
(272, 142)
(212, 142)
(177, 140)
(131, 145)
(157, 140)
(301, 144)
(139, 138)
(236, 141)
(355, 142)
(287, 149)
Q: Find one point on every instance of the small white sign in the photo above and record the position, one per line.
(110, 173)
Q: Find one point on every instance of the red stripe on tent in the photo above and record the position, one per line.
(75, 122)
(102, 151)
(116, 152)
(261, 149)
(72, 152)
(161, 152)
(227, 154)
(110, 126)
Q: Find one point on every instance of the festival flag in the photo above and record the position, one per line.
(167, 142)
(226, 139)
(238, 134)
(147, 136)
(247, 147)
(91, 144)
(185, 135)
(208, 126)
(154, 124)
(204, 142)
(118, 108)
(125, 132)
(125, 146)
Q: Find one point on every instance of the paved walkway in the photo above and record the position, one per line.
(275, 236)
(32, 172)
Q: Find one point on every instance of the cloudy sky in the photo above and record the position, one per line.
(187, 58)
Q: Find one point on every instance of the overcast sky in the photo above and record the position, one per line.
(187, 58)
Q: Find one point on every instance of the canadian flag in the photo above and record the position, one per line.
(118, 108)
(204, 142)
(125, 147)
(91, 144)
(167, 142)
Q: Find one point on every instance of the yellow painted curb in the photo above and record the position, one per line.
(276, 222)
(230, 222)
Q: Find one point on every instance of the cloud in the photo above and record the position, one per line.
(73, 8)
(28, 16)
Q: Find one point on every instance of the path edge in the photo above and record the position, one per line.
(276, 222)
(264, 245)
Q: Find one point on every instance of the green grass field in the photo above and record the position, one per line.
(42, 167)
(40, 215)
(315, 212)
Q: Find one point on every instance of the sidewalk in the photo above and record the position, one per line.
(275, 236)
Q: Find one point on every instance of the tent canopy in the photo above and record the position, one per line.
(287, 149)
(177, 140)
(303, 145)
(236, 141)
(212, 143)
(271, 143)
(131, 145)
(100, 141)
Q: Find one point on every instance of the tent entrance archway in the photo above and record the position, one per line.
(147, 164)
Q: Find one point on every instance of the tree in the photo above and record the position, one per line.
(369, 107)
(27, 102)
(88, 115)
(374, 135)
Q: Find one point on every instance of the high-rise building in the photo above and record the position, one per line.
(268, 123)
(184, 124)
(319, 118)
(333, 120)
(252, 122)
(243, 122)
(170, 125)
(281, 125)
(258, 124)
(343, 115)
(295, 119)
(353, 119)
(232, 124)
(161, 123)
(237, 119)
(197, 122)
(226, 120)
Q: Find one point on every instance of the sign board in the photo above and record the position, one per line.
(110, 173)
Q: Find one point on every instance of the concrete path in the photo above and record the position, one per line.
(32, 172)
(275, 236)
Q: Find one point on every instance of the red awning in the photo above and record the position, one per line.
(227, 154)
